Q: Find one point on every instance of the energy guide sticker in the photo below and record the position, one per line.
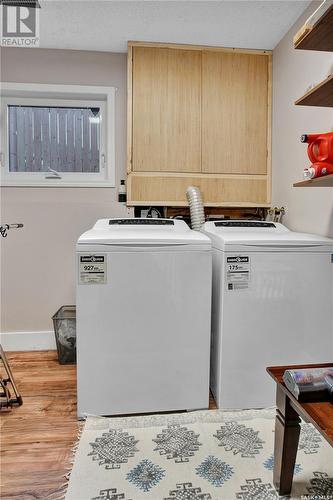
(237, 272)
(92, 269)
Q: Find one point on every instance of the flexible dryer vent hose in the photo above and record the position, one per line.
(196, 207)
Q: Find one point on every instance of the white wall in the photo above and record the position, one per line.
(308, 209)
(37, 262)
(37, 272)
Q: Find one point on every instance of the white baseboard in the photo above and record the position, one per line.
(27, 341)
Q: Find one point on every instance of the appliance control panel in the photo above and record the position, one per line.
(239, 223)
(141, 222)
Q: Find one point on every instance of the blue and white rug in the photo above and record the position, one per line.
(203, 455)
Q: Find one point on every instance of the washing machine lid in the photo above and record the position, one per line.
(226, 234)
(147, 232)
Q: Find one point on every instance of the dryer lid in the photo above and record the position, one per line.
(225, 233)
(148, 232)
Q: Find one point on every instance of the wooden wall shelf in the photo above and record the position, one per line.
(320, 95)
(319, 36)
(325, 181)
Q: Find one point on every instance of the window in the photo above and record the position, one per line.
(58, 141)
(64, 139)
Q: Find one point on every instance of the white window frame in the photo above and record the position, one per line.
(61, 95)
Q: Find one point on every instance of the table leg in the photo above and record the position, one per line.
(287, 431)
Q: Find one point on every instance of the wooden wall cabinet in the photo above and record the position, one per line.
(198, 116)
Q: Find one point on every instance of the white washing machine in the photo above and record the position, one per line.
(272, 305)
(143, 317)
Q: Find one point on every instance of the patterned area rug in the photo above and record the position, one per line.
(204, 455)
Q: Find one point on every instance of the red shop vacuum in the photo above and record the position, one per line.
(320, 152)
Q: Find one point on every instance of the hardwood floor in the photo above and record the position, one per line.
(37, 437)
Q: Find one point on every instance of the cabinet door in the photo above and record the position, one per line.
(166, 110)
(234, 112)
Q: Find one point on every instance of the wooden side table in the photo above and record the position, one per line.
(287, 426)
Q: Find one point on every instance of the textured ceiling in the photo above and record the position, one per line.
(107, 25)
